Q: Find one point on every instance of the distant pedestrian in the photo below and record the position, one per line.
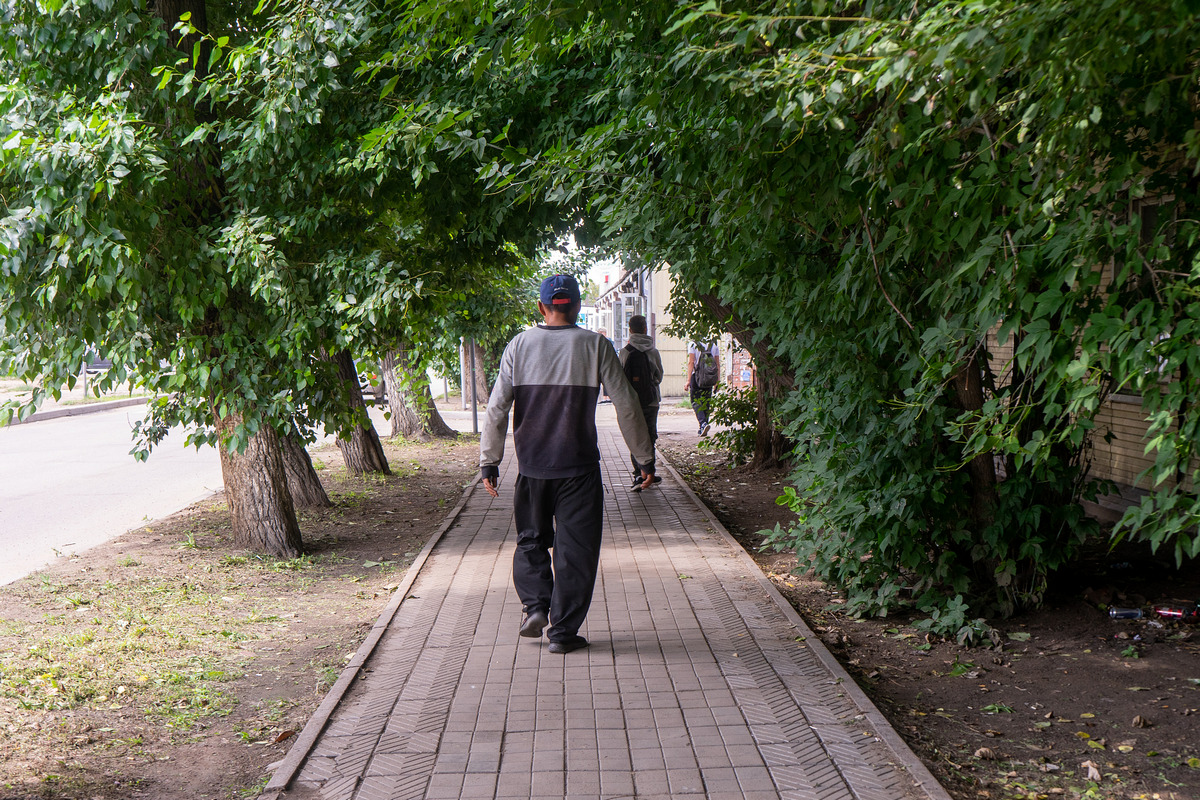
(704, 372)
(550, 376)
(643, 367)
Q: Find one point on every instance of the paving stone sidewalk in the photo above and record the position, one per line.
(699, 682)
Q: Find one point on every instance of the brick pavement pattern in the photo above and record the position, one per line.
(696, 684)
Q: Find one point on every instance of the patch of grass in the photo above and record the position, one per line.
(327, 676)
(89, 398)
(100, 666)
(156, 644)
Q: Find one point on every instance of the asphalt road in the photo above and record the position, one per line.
(69, 484)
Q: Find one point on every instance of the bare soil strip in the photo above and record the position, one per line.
(168, 664)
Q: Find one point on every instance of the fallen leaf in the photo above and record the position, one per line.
(284, 736)
(986, 754)
(1019, 636)
(1093, 770)
(1141, 722)
(1124, 748)
(1087, 715)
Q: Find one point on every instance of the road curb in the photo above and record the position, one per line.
(74, 411)
(291, 763)
(905, 757)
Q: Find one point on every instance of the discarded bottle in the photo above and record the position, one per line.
(1124, 613)
(1188, 612)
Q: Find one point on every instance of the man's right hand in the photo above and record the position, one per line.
(491, 487)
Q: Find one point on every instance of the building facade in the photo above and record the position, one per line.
(645, 291)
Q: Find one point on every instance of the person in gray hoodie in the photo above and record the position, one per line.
(550, 377)
(643, 367)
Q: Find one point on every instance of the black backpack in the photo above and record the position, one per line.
(705, 372)
(637, 370)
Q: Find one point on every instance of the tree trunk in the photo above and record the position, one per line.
(170, 12)
(302, 479)
(771, 448)
(362, 452)
(414, 414)
(481, 383)
(968, 386)
(264, 519)
(256, 487)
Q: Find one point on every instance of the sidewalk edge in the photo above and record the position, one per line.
(303, 745)
(908, 760)
(75, 411)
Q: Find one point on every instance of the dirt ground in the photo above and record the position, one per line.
(1072, 704)
(167, 664)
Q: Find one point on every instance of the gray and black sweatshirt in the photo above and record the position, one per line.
(551, 378)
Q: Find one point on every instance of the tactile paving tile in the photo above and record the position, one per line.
(695, 685)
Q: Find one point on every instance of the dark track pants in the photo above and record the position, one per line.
(700, 399)
(651, 415)
(564, 515)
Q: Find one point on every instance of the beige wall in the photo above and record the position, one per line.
(673, 351)
(658, 287)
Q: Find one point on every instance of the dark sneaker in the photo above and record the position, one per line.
(568, 645)
(533, 624)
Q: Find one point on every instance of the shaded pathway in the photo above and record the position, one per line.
(699, 682)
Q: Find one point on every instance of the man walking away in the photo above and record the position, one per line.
(643, 367)
(704, 372)
(550, 376)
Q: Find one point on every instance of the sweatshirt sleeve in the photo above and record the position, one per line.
(628, 407)
(495, 423)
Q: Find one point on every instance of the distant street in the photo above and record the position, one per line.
(69, 484)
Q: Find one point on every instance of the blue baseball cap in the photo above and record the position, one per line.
(560, 290)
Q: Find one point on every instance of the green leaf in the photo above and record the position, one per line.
(388, 87)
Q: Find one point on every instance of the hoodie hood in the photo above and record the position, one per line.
(641, 341)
